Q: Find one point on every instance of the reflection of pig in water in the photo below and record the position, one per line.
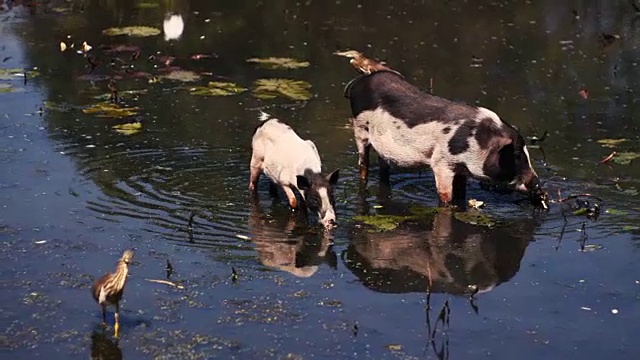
(284, 242)
(454, 257)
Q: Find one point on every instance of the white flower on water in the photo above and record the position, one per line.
(173, 26)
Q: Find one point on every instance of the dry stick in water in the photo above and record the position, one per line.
(581, 195)
(608, 158)
(166, 282)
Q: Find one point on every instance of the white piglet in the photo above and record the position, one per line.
(293, 164)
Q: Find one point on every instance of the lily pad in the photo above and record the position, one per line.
(630, 228)
(217, 88)
(6, 88)
(129, 128)
(611, 142)
(625, 158)
(616, 212)
(17, 74)
(182, 75)
(147, 5)
(137, 31)
(383, 222)
(279, 63)
(107, 96)
(271, 88)
(422, 211)
(475, 217)
(107, 109)
(53, 106)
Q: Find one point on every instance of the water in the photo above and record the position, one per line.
(75, 193)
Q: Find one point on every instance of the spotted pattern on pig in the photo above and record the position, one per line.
(409, 128)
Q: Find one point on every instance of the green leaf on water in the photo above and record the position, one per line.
(581, 212)
(107, 96)
(625, 158)
(107, 109)
(129, 128)
(17, 74)
(271, 88)
(53, 106)
(616, 212)
(182, 75)
(279, 63)
(6, 88)
(422, 211)
(630, 228)
(475, 217)
(383, 222)
(147, 5)
(137, 31)
(611, 142)
(217, 88)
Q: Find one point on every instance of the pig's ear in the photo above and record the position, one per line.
(333, 177)
(303, 182)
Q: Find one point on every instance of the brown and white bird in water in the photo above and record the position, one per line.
(363, 64)
(109, 288)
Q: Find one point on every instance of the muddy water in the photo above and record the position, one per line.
(75, 193)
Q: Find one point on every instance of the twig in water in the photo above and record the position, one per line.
(190, 227)
(583, 240)
(535, 139)
(166, 282)
(234, 275)
(608, 158)
(581, 195)
(169, 269)
(564, 227)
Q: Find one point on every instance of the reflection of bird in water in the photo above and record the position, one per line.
(363, 64)
(285, 243)
(109, 288)
(103, 348)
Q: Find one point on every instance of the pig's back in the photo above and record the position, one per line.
(404, 101)
(285, 153)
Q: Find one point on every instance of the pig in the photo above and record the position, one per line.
(409, 128)
(293, 164)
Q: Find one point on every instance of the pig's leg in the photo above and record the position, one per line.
(256, 169)
(291, 195)
(383, 171)
(444, 183)
(361, 135)
(273, 189)
(459, 187)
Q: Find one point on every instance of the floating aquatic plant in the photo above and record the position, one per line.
(136, 31)
(271, 88)
(279, 63)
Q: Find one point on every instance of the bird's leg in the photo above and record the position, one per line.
(104, 316)
(116, 327)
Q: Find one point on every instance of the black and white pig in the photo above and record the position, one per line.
(293, 164)
(409, 128)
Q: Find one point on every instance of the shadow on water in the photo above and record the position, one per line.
(104, 347)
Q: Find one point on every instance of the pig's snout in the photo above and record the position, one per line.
(329, 222)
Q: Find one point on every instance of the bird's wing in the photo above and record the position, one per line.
(103, 295)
